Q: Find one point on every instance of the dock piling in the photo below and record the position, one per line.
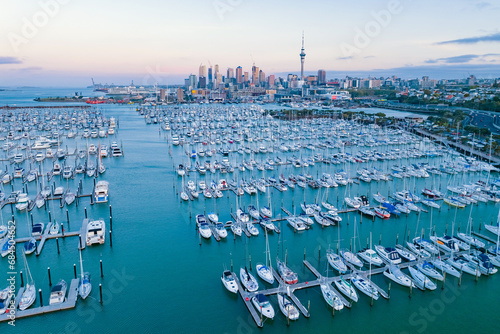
(74, 269)
(100, 293)
(62, 229)
(85, 212)
(50, 280)
(67, 215)
(50, 217)
(57, 243)
(22, 279)
(41, 299)
(100, 262)
(110, 239)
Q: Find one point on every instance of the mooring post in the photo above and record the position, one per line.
(100, 262)
(50, 280)
(57, 243)
(100, 293)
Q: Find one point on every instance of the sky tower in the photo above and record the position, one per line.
(302, 58)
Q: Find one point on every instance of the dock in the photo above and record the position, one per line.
(246, 299)
(482, 236)
(69, 303)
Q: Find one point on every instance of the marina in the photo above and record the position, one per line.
(161, 161)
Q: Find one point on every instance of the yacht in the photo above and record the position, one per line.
(5, 297)
(405, 253)
(265, 273)
(395, 274)
(30, 246)
(57, 169)
(365, 286)
(370, 256)
(28, 297)
(203, 227)
(248, 281)
(482, 261)
(351, 257)
(389, 254)
(288, 276)
(22, 202)
(336, 261)
(101, 192)
(252, 229)
(418, 251)
(446, 267)
(37, 230)
(287, 307)
(469, 239)
(347, 289)
(421, 281)
(446, 243)
(427, 245)
(59, 191)
(464, 265)
(96, 232)
(428, 269)
(261, 303)
(58, 293)
(67, 172)
(296, 223)
(331, 297)
(229, 282)
(221, 230)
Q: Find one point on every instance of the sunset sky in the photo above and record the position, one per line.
(66, 42)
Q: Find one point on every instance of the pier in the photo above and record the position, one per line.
(69, 303)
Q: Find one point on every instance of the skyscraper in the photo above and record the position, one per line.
(247, 77)
(230, 73)
(302, 58)
(321, 77)
(239, 75)
(210, 77)
(255, 75)
(202, 71)
(192, 81)
(262, 77)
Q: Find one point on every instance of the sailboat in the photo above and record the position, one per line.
(29, 295)
(85, 286)
(287, 308)
(265, 271)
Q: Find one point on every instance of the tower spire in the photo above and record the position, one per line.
(302, 58)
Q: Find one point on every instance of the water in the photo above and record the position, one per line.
(158, 279)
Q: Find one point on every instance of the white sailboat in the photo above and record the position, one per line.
(265, 271)
(85, 286)
(29, 295)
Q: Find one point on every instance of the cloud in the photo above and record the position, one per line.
(345, 58)
(368, 57)
(31, 69)
(473, 40)
(464, 59)
(9, 60)
(482, 5)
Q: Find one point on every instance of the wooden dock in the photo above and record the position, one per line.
(485, 237)
(246, 299)
(69, 303)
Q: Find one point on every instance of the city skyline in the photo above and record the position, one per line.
(384, 38)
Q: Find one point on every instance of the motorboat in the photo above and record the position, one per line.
(58, 293)
(347, 289)
(212, 216)
(57, 169)
(101, 192)
(381, 213)
(37, 229)
(395, 274)
(370, 256)
(288, 276)
(389, 254)
(261, 303)
(229, 281)
(267, 224)
(421, 281)
(96, 232)
(445, 243)
(365, 286)
(22, 202)
(351, 257)
(252, 229)
(242, 215)
(331, 297)
(59, 191)
(296, 223)
(248, 281)
(221, 230)
(287, 307)
(336, 261)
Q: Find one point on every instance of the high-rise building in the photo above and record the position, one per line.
(202, 82)
(239, 75)
(247, 77)
(270, 80)
(180, 95)
(302, 59)
(230, 73)
(202, 72)
(262, 77)
(162, 94)
(255, 75)
(210, 77)
(321, 77)
(192, 81)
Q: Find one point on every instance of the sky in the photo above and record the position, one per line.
(67, 42)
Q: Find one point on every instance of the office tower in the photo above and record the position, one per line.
(321, 77)
(262, 77)
(239, 75)
(202, 72)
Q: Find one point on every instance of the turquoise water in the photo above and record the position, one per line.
(158, 279)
